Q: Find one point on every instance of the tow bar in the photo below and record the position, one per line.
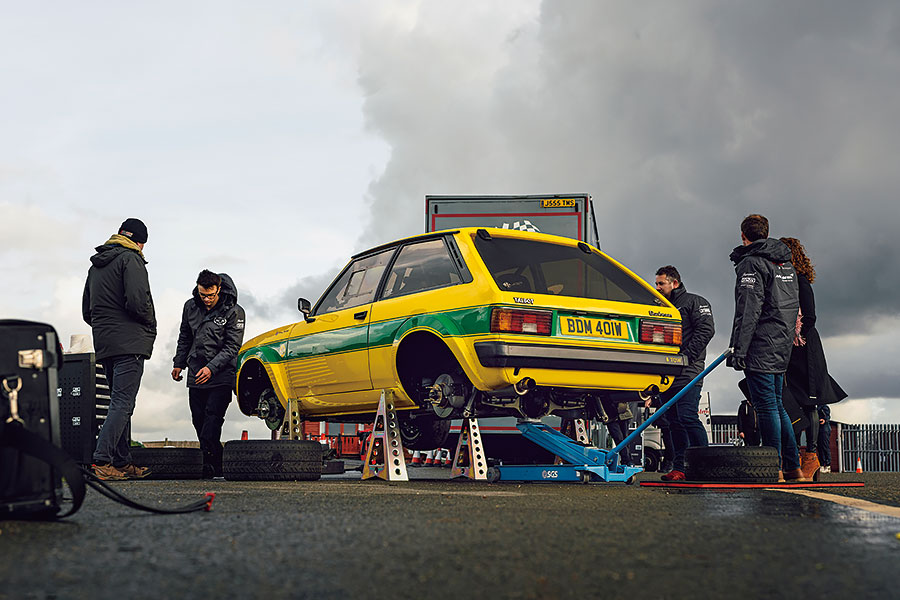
(585, 463)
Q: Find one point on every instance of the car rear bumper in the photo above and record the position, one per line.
(546, 356)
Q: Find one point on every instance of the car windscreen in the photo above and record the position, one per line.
(528, 266)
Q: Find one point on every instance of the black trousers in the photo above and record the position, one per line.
(208, 406)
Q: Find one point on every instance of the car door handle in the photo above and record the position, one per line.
(360, 315)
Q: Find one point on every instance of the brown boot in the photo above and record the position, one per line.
(809, 464)
(795, 476)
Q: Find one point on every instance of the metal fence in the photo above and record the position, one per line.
(877, 447)
(724, 433)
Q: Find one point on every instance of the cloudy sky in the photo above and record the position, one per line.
(271, 141)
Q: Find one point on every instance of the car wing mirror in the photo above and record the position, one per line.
(305, 307)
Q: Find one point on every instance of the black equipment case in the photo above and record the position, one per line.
(30, 356)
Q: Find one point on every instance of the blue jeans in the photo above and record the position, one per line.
(775, 426)
(687, 430)
(123, 374)
(825, 443)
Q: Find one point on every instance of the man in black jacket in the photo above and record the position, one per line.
(766, 306)
(212, 330)
(119, 308)
(697, 330)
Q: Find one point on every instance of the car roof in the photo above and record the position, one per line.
(497, 231)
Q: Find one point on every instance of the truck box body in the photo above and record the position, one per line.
(569, 215)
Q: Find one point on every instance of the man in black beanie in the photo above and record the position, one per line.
(119, 308)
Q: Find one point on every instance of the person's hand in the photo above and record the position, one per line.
(741, 435)
(821, 421)
(203, 375)
(738, 363)
(176, 374)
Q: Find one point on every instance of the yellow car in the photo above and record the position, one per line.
(470, 322)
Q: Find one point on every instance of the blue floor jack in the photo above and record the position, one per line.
(584, 463)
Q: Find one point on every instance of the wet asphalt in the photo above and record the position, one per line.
(434, 538)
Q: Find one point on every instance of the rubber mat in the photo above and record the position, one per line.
(725, 485)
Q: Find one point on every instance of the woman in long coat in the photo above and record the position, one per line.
(807, 380)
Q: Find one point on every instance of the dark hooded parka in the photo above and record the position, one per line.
(117, 303)
(211, 338)
(766, 303)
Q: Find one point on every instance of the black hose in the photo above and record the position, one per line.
(113, 494)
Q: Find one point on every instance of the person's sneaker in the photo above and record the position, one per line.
(135, 472)
(108, 473)
(825, 469)
(673, 476)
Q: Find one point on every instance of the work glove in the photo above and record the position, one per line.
(738, 363)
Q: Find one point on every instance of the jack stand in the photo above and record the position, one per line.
(469, 459)
(293, 426)
(577, 430)
(385, 440)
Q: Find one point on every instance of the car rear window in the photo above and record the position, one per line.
(528, 266)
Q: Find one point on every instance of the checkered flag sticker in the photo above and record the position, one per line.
(525, 225)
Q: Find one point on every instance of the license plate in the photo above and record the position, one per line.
(586, 327)
(558, 203)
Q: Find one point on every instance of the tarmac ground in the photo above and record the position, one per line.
(432, 537)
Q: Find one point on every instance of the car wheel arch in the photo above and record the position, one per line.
(416, 344)
(253, 378)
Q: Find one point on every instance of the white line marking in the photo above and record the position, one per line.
(891, 511)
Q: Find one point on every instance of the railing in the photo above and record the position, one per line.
(723, 433)
(876, 446)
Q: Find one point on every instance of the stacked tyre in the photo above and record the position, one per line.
(170, 463)
(735, 464)
(272, 460)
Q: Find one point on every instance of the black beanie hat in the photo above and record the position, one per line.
(134, 229)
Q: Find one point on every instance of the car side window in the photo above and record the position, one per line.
(421, 266)
(356, 285)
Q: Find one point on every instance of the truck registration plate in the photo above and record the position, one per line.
(605, 328)
(558, 203)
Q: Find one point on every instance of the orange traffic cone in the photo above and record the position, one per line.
(858, 465)
(244, 435)
(416, 459)
(429, 459)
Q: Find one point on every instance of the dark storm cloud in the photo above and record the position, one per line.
(680, 119)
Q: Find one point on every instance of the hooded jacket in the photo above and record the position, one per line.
(766, 304)
(697, 330)
(211, 338)
(117, 303)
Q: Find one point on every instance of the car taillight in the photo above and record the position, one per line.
(656, 332)
(512, 320)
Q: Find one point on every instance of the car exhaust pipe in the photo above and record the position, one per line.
(650, 392)
(522, 387)
(525, 386)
